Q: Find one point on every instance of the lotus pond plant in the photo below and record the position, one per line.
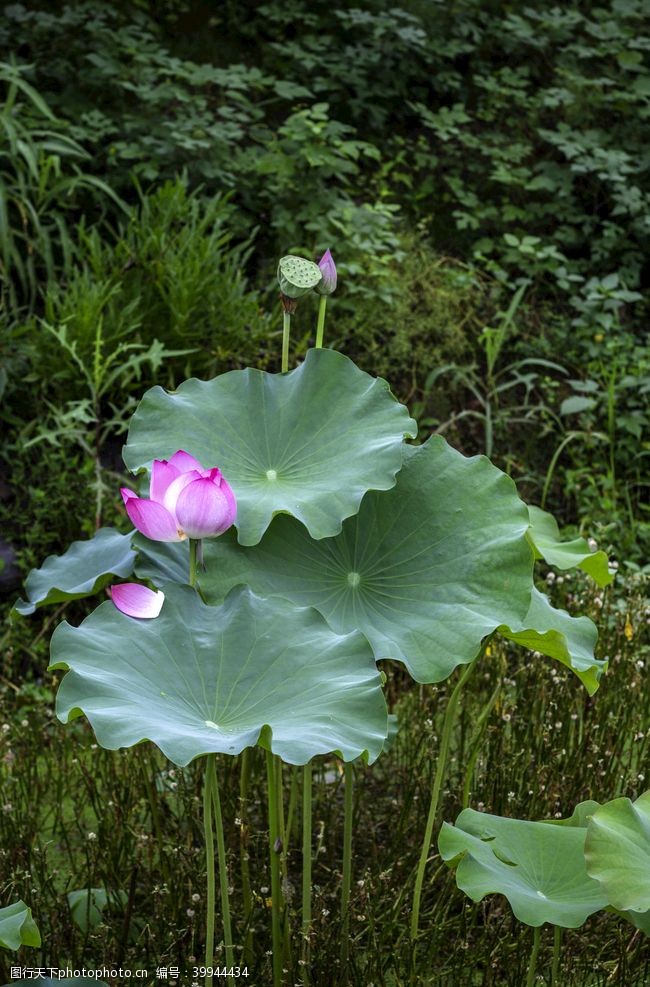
(558, 872)
(270, 585)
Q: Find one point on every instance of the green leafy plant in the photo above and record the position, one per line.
(42, 185)
(17, 927)
(392, 577)
(559, 872)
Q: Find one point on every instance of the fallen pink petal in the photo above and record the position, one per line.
(136, 600)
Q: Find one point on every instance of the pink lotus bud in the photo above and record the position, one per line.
(185, 501)
(328, 269)
(137, 601)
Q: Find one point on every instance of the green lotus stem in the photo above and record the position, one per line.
(209, 865)
(306, 868)
(274, 852)
(320, 326)
(244, 781)
(286, 332)
(441, 767)
(532, 963)
(194, 543)
(293, 798)
(348, 774)
(557, 946)
(282, 835)
(223, 865)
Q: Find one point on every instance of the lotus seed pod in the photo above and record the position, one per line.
(297, 276)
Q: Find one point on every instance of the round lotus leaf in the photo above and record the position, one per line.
(297, 276)
(201, 679)
(308, 443)
(617, 851)
(425, 571)
(539, 868)
(17, 927)
(86, 568)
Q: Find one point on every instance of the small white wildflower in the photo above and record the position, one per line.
(91, 836)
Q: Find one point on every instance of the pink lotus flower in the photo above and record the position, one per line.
(328, 269)
(137, 601)
(185, 501)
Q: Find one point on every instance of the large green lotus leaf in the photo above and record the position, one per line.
(539, 868)
(555, 633)
(17, 927)
(582, 815)
(309, 443)
(617, 851)
(199, 679)
(544, 536)
(425, 570)
(86, 568)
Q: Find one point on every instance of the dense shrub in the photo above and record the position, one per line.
(509, 139)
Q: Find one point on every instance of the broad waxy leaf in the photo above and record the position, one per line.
(86, 568)
(17, 927)
(289, 564)
(545, 538)
(309, 443)
(425, 571)
(555, 633)
(539, 868)
(201, 679)
(163, 562)
(618, 852)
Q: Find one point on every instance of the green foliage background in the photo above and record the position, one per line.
(156, 161)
